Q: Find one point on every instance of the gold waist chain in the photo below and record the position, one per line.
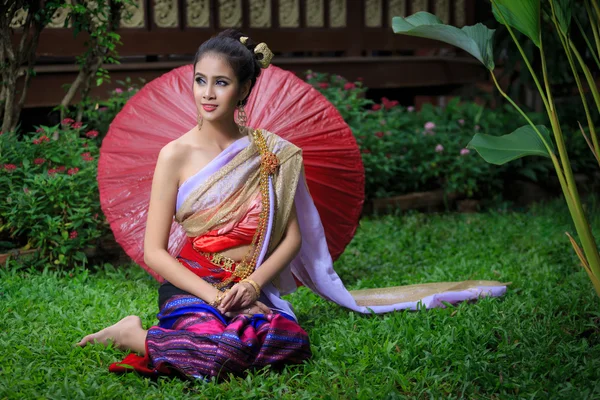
(221, 260)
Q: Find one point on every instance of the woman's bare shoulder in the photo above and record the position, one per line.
(175, 151)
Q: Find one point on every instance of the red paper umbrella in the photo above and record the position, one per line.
(280, 103)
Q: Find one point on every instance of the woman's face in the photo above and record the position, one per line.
(216, 88)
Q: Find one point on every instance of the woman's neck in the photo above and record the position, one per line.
(221, 133)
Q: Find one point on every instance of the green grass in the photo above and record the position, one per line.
(542, 339)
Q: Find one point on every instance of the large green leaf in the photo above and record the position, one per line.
(476, 39)
(563, 8)
(523, 15)
(522, 142)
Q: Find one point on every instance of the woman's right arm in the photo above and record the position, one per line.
(163, 199)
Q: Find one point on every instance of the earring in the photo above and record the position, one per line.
(199, 119)
(242, 117)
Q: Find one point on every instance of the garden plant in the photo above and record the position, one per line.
(524, 16)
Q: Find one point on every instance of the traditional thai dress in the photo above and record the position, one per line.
(245, 196)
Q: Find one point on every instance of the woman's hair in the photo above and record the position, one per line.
(240, 56)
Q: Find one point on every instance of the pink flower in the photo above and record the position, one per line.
(85, 145)
(309, 76)
(130, 89)
(77, 125)
(52, 172)
(72, 171)
(376, 107)
(439, 148)
(379, 134)
(39, 161)
(323, 85)
(388, 104)
(96, 216)
(61, 168)
(349, 85)
(461, 121)
(1, 133)
(464, 152)
(67, 121)
(429, 126)
(38, 130)
(101, 109)
(25, 190)
(118, 90)
(10, 167)
(37, 141)
(92, 134)
(477, 127)
(73, 235)
(410, 109)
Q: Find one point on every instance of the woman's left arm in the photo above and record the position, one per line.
(283, 254)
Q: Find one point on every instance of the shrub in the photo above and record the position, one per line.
(405, 151)
(51, 193)
(98, 114)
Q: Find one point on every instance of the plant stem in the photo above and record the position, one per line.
(566, 41)
(587, 41)
(507, 97)
(593, 88)
(531, 71)
(597, 9)
(561, 177)
(590, 14)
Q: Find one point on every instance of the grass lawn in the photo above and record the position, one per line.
(542, 339)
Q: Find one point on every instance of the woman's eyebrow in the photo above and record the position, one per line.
(218, 76)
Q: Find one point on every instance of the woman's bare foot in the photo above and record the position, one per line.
(125, 334)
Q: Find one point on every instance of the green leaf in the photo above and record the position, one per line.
(563, 9)
(475, 40)
(523, 15)
(502, 149)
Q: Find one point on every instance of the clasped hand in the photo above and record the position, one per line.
(242, 299)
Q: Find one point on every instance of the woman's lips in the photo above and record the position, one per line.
(209, 107)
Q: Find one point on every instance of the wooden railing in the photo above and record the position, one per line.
(350, 37)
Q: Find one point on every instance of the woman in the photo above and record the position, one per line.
(218, 314)
(253, 231)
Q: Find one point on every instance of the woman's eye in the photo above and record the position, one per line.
(201, 81)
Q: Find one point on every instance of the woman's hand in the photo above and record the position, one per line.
(256, 308)
(241, 295)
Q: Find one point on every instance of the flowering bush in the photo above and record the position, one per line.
(405, 151)
(99, 114)
(49, 191)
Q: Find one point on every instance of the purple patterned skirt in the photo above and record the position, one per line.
(195, 340)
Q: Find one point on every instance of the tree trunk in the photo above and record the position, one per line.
(8, 61)
(87, 85)
(92, 63)
(39, 13)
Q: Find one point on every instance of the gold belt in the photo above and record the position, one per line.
(222, 261)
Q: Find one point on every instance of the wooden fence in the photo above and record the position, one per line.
(350, 37)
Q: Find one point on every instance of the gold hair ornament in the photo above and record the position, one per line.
(262, 49)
